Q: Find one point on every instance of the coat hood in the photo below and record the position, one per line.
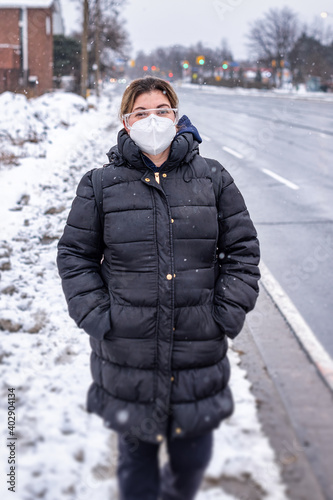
(184, 147)
(184, 125)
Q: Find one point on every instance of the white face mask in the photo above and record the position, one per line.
(153, 134)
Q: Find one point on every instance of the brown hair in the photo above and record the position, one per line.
(142, 86)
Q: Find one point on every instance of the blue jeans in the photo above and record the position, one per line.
(138, 473)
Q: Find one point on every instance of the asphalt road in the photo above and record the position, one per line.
(257, 139)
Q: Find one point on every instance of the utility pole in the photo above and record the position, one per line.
(97, 51)
(84, 51)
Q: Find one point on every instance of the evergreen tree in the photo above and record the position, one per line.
(66, 55)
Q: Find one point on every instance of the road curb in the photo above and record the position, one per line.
(305, 336)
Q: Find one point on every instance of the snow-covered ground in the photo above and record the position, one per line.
(62, 452)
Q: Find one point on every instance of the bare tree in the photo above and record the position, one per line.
(274, 35)
(104, 21)
(84, 51)
(310, 58)
(320, 30)
(104, 33)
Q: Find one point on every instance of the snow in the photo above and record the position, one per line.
(62, 451)
(25, 123)
(32, 4)
(20, 130)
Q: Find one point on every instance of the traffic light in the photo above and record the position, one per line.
(274, 63)
(153, 68)
(282, 63)
(225, 65)
(145, 68)
(200, 60)
(186, 64)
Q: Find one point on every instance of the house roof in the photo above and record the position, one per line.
(31, 4)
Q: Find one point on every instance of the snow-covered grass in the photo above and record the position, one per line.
(62, 451)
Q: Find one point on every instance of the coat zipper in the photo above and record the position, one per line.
(157, 178)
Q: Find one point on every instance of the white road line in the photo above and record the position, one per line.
(233, 152)
(277, 177)
(205, 138)
(301, 329)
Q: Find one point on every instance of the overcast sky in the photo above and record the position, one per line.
(156, 23)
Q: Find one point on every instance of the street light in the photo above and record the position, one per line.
(325, 14)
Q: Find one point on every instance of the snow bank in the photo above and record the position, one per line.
(59, 109)
(18, 125)
(25, 123)
(62, 451)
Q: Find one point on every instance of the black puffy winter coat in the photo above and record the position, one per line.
(178, 274)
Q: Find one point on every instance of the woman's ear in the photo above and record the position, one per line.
(127, 129)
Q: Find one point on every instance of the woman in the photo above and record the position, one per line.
(159, 282)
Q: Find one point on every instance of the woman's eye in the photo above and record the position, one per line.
(163, 112)
(141, 114)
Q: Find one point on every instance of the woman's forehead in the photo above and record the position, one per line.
(151, 100)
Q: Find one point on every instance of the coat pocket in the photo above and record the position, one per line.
(130, 321)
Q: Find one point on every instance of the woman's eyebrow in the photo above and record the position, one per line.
(157, 107)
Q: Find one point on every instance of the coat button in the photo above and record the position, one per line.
(172, 220)
(174, 275)
(164, 175)
(159, 438)
(172, 379)
(147, 179)
(178, 430)
(169, 277)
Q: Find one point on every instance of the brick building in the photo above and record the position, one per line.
(26, 44)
